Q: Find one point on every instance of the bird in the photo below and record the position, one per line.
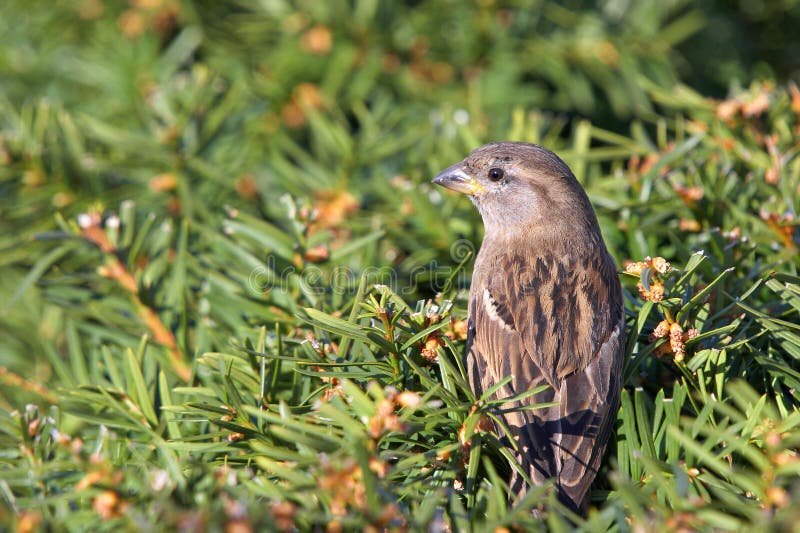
(545, 308)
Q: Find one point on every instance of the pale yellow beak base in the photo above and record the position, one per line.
(455, 179)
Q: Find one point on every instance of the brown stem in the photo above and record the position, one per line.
(116, 270)
(13, 380)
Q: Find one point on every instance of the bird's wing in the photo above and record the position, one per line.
(558, 322)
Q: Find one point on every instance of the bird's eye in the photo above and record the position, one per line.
(496, 174)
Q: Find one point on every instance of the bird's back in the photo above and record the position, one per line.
(550, 318)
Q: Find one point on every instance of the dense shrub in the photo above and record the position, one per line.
(230, 296)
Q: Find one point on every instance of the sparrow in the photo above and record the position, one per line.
(545, 307)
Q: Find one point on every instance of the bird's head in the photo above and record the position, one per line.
(520, 187)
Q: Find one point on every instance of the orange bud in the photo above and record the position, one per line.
(635, 268)
(676, 341)
(773, 439)
(661, 330)
(108, 505)
(660, 265)
(777, 496)
(283, 513)
(379, 467)
(317, 254)
(318, 40)
(689, 224)
(727, 109)
(657, 291)
(409, 399)
(246, 187)
(757, 105)
(459, 329)
(430, 351)
(163, 182)
(690, 334)
(29, 521)
(132, 23)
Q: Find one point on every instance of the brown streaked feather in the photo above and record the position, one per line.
(559, 322)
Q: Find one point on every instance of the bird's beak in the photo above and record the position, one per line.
(455, 179)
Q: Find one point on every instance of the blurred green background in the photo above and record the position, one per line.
(181, 181)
